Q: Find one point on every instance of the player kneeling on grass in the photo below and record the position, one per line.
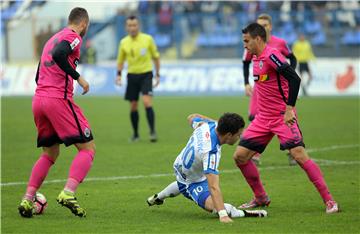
(196, 167)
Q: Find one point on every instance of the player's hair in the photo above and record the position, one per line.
(132, 17)
(265, 17)
(255, 29)
(77, 15)
(230, 122)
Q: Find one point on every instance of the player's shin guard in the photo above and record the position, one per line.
(314, 173)
(38, 174)
(172, 190)
(252, 176)
(79, 169)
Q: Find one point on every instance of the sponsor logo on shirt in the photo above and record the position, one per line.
(261, 78)
(75, 42)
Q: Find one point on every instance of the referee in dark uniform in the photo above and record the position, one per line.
(139, 50)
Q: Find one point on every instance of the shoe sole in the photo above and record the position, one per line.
(255, 215)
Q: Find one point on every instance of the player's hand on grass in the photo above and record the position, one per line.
(157, 80)
(248, 90)
(118, 80)
(225, 219)
(289, 116)
(84, 85)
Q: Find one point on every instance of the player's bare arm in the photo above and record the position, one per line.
(118, 76)
(248, 90)
(157, 71)
(84, 85)
(217, 198)
(195, 115)
(289, 116)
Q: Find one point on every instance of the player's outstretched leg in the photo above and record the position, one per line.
(172, 190)
(315, 176)
(68, 200)
(235, 213)
(26, 208)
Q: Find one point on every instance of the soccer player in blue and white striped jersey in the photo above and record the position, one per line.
(196, 167)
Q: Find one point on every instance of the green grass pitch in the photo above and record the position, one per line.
(125, 174)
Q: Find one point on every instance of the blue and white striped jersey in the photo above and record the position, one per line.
(201, 155)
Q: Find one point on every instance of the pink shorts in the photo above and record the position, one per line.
(253, 105)
(59, 121)
(261, 130)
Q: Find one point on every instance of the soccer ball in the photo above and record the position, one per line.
(40, 203)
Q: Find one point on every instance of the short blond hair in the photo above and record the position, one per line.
(265, 17)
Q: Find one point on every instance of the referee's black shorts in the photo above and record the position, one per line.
(137, 83)
(304, 67)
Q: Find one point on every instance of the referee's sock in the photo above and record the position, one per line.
(134, 116)
(151, 118)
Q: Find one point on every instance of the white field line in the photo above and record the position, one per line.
(321, 162)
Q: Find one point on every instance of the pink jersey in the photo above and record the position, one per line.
(274, 42)
(51, 80)
(272, 88)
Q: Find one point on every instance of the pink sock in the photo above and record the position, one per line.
(252, 176)
(71, 185)
(314, 173)
(79, 169)
(38, 174)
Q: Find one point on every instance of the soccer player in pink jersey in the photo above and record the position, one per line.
(264, 20)
(57, 118)
(277, 88)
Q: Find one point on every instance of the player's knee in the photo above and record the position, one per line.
(92, 147)
(209, 205)
(133, 106)
(299, 154)
(239, 157)
(147, 102)
(53, 151)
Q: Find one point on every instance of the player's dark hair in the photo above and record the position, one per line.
(132, 17)
(255, 29)
(265, 17)
(77, 15)
(230, 122)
